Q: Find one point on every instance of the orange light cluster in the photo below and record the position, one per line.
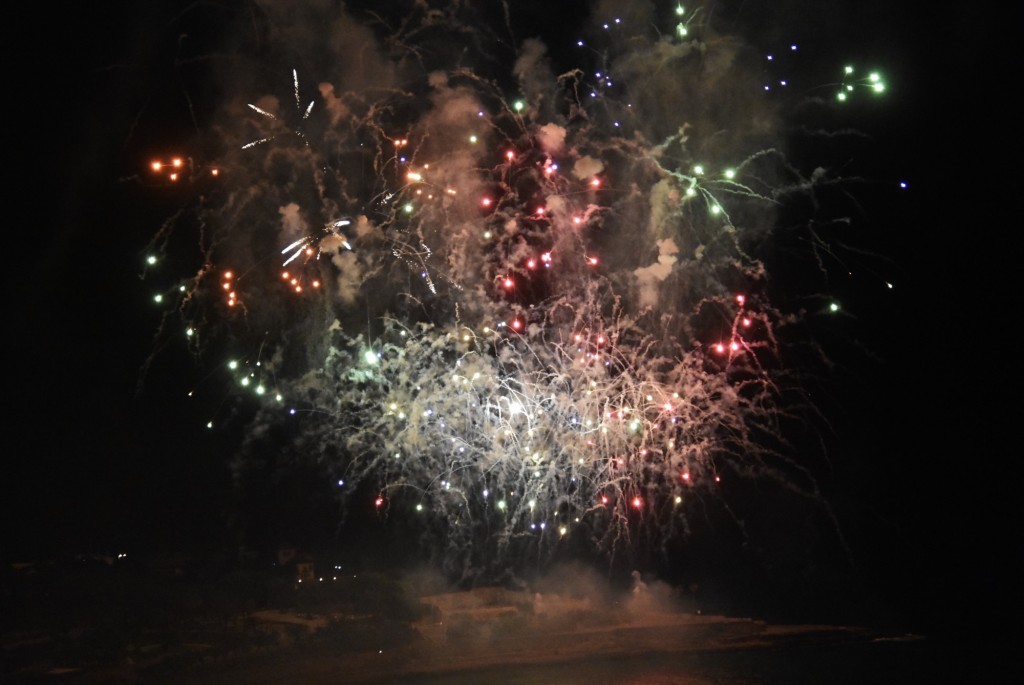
(295, 282)
(227, 283)
(174, 168)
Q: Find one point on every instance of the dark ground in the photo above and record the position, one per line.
(117, 626)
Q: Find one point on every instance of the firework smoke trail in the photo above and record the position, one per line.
(548, 318)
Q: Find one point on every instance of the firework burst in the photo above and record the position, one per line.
(549, 320)
(303, 116)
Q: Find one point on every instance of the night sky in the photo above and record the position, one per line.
(101, 457)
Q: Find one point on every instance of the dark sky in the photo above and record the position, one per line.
(926, 475)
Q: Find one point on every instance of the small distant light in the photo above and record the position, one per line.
(150, 259)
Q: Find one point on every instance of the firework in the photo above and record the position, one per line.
(548, 318)
(303, 115)
(309, 244)
(851, 82)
